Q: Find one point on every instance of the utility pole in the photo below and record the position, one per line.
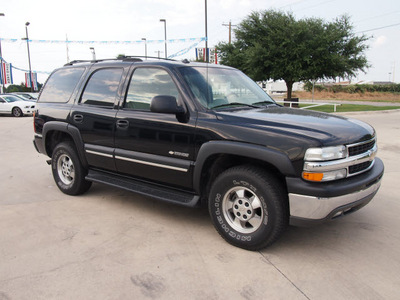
(230, 30)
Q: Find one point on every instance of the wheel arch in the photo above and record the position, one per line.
(216, 156)
(54, 132)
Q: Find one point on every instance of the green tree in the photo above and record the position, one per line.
(20, 88)
(274, 45)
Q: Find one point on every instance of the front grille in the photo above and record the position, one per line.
(359, 167)
(361, 147)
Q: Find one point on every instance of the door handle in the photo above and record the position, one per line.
(78, 118)
(123, 124)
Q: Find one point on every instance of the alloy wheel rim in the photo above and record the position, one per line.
(243, 210)
(66, 170)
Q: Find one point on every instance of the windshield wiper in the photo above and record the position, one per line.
(233, 104)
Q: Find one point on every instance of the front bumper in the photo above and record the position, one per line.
(317, 202)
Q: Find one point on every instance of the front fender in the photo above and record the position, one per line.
(279, 160)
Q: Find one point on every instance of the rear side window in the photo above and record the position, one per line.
(61, 84)
(102, 87)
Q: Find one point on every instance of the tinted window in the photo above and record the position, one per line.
(147, 83)
(220, 87)
(102, 87)
(61, 84)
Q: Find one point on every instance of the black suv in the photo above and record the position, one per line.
(191, 133)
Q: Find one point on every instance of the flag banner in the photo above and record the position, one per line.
(6, 73)
(107, 42)
(29, 80)
(212, 55)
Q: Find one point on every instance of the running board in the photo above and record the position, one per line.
(145, 189)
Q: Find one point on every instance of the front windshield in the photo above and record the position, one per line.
(221, 88)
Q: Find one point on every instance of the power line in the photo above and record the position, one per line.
(373, 29)
(377, 16)
(315, 5)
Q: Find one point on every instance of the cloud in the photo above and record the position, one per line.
(379, 41)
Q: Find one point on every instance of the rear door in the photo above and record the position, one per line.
(154, 146)
(94, 114)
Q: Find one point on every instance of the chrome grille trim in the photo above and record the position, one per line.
(362, 147)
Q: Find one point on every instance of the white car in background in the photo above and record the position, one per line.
(27, 96)
(10, 104)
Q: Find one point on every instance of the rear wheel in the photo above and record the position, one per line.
(249, 207)
(17, 112)
(68, 172)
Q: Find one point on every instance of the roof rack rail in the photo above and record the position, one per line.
(88, 61)
(133, 58)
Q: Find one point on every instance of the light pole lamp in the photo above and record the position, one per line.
(165, 35)
(1, 62)
(145, 47)
(29, 55)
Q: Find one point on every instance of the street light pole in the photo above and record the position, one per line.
(145, 47)
(165, 35)
(1, 64)
(29, 56)
(207, 55)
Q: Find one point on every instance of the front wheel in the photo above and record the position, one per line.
(17, 112)
(68, 172)
(249, 207)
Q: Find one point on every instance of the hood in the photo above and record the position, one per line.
(325, 129)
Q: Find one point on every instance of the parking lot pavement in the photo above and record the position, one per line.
(112, 244)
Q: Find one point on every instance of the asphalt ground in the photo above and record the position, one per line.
(113, 244)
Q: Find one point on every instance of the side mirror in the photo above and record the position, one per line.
(166, 105)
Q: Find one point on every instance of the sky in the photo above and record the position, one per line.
(131, 20)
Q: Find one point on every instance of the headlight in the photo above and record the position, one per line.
(325, 154)
(318, 164)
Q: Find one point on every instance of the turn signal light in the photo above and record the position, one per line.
(313, 176)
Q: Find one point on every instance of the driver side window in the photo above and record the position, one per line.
(147, 83)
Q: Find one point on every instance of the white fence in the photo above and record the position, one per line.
(311, 104)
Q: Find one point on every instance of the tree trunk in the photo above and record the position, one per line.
(289, 86)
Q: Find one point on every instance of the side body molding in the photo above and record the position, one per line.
(71, 131)
(277, 159)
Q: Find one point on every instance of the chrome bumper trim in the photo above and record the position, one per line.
(315, 208)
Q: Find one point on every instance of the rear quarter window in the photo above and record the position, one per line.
(61, 84)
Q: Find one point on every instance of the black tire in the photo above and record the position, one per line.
(17, 112)
(249, 207)
(68, 172)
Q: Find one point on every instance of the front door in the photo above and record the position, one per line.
(153, 146)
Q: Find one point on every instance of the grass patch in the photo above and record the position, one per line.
(350, 108)
(367, 96)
